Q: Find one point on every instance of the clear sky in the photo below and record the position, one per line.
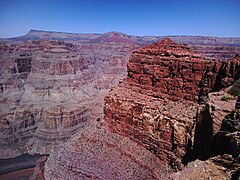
(135, 17)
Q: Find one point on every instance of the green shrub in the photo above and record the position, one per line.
(226, 97)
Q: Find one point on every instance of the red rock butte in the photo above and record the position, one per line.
(150, 117)
(168, 68)
(156, 105)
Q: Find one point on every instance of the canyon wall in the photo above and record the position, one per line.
(211, 47)
(153, 119)
(157, 104)
(51, 89)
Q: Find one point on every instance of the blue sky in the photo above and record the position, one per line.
(135, 17)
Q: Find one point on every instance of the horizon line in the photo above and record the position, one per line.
(99, 33)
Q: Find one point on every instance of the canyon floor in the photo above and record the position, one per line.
(116, 106)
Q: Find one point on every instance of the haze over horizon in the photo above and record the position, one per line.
(157, 18)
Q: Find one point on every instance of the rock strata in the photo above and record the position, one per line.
(157, 104)
(51, 89)
(96, 153)
(170, 68)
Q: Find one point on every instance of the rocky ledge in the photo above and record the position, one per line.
(217, 168)
(96, 153)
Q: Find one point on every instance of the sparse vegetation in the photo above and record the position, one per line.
(235, 89)
(202, 109)
(226, 97)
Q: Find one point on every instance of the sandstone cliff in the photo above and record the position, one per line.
(157, 104)
(50, 90)
(153, 118)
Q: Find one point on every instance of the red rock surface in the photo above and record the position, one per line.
(216, 168)
(156, 105)
(50, 89)
(95, 153)
(169, 68)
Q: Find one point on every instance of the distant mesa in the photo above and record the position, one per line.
(211, 47)
(114, 37)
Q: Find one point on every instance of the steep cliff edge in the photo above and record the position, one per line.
(157, 104)
(216, 127)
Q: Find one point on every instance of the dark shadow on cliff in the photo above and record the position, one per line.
(234, 72)
(203, 138)
(222, 73)
(225, 141)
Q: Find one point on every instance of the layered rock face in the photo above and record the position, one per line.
(96, 153)
(211, 47)
(156, 105)
(220, 52)
(145, 126)
(51, 89)
(169, 68)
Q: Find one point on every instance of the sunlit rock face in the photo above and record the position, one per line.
(172, 69)
(96, 153)
(49, 90)
(145, 127)
(53, 84)
(157, 103)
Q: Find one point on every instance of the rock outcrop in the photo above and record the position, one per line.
(145, 125)
(214, 119)
(157, 104)
(169, 68)
(210, 118)
(217, 168)
(96, 153)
